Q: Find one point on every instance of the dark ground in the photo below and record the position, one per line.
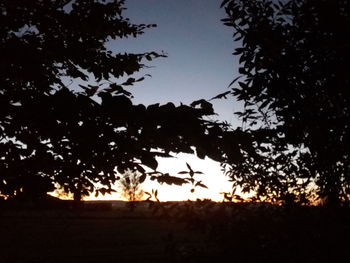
(186, 232)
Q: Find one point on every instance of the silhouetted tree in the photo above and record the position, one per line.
(295, 60)
(130, 186)
(53, 132)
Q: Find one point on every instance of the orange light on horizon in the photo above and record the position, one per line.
(213, 177)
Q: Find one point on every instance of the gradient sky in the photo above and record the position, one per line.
(199, 65)
(199, 47)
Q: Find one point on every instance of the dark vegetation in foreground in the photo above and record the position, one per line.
(68, 120)
(200, 231)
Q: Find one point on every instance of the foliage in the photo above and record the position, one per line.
(294, 58)
(55, 133)
(259, 232)
(175, 180)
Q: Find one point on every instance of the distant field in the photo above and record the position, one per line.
(178, 233)
(47, 236)
(92, 234)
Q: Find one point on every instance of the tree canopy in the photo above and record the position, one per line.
(67, 118)
(55, 133)
(294, 84)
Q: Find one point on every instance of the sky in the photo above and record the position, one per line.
(199, 64)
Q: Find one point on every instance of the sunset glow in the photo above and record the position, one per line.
(212, 177)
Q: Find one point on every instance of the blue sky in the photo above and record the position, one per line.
(199, 65)
(199, 48)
